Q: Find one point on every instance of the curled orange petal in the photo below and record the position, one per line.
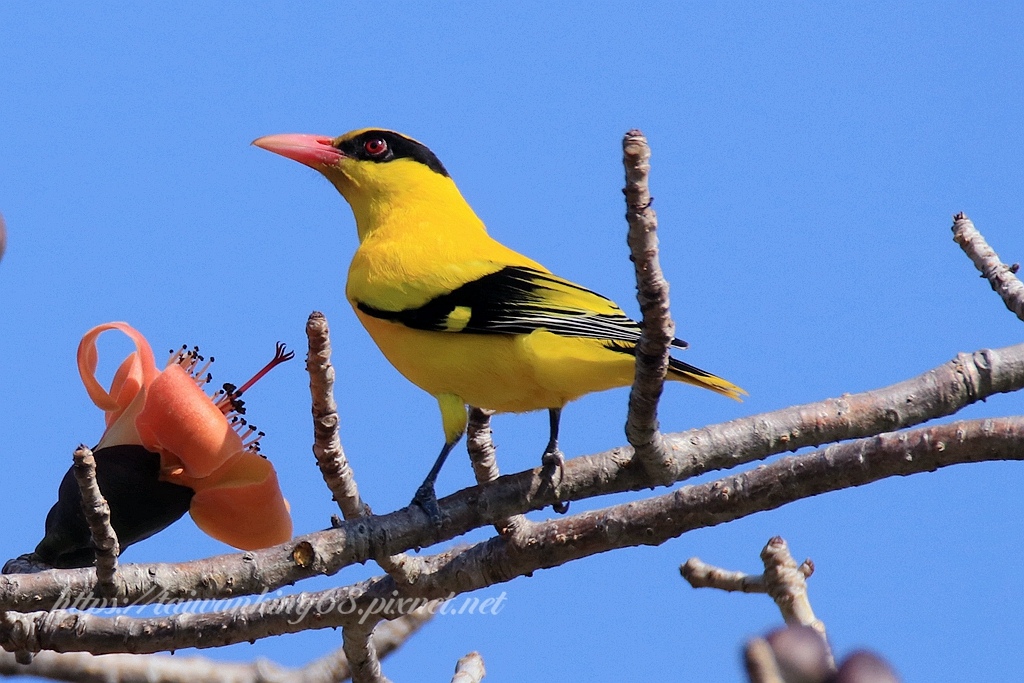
(137, 371)
(180, 420)
(128, 381)
(241, 504)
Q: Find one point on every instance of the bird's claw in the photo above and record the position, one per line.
(426, 499)
(555, 460)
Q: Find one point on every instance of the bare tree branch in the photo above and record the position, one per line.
(941, 391)
(82, 667)
(657, 328)
(1001, 276)
(469, 669)
(97, 516)
(554, 542)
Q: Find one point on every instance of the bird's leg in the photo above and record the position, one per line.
(425, 496)
(555, 459)
(552, 456)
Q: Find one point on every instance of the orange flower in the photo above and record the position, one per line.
(203, 443)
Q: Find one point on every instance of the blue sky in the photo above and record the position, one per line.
(807, 160)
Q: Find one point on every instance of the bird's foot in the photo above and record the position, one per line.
(426, 499)
(554, 460)
(554, 457)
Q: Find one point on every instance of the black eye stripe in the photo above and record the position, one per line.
(396, 147)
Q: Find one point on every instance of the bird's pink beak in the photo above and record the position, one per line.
(314, 151)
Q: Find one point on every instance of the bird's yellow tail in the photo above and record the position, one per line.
(684, 372)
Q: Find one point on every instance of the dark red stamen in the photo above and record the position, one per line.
(279, 357)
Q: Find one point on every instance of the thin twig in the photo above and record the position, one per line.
(787, 586)
(97, 515)
(482, 455)
(657, 328)
(359, 649)
(330, 456)
(361, 654)
(553, 542)
(702, 575)
(469, 669)
(387, 637)
(1001, 276)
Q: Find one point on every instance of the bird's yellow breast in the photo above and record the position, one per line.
(506, 373)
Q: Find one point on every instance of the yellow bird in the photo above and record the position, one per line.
(459, 314)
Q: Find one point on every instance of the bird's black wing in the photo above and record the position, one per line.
(519, 300)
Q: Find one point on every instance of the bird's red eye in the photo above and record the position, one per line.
(375, 147)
